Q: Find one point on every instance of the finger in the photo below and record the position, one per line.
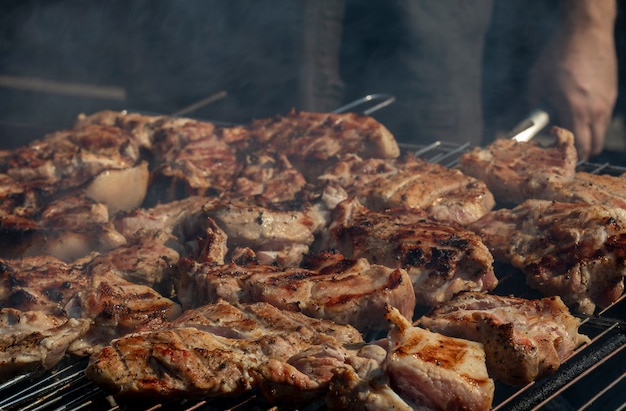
(598, 135)
(582, 137)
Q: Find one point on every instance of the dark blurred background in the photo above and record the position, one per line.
(59, 58)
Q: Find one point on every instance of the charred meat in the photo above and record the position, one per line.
(441, 259)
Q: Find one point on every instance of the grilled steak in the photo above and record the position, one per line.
(313, 141)
(524, 339)
(441, 259)
(515, 171)
(410, 182)
(33, 340)
(589, 188)
(276, 234)
(113, 305)
(576, 251)
(345, 291)
(435, 372)
(214, 350)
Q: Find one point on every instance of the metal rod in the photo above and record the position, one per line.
(387, 99)
(199, 104)
(567, 373)
(59, 87)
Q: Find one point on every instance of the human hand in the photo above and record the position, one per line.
(576, 76)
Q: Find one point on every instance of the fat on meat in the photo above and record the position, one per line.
(345, 291)
(515, 171)
(573, 250)
(435, 372)
(524, 340)
(442, 259)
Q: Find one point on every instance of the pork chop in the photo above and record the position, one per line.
(442, 259)
(344, 291)
(573, 250)
(515, 171)
(435, 372)
(199, 355)
(524, 340)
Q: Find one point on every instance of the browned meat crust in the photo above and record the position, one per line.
(436, 372)
(441, 259)
(344, 291)
(576, 251)
(409, 182)
(515, 171)
(201, 355)
(589, 188)
(524, 339)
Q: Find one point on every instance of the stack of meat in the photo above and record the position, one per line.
(291, 256)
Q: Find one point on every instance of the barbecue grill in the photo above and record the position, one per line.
(593, 378)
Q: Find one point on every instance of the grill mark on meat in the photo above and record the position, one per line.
(342, 292)
(524, 340)
(441, 259)
(566, 249)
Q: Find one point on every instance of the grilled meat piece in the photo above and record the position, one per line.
(345, 291)
(410, 182)
(441, 259)
(67, 159)
(363, 384)
(197, 235)
(524, 339)
(68, 228)
(576, 251)
(271, 176)
(276, 234)
(158, 133)
(205, 167)
(148, 260)
(174, 217)
(34, 341)
(61, 189)
(210, 351)
(313, 141)
(113, 305)
(515, 171)
(435, 372)
(589, 188)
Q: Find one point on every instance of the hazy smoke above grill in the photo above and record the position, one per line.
(167, 55)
